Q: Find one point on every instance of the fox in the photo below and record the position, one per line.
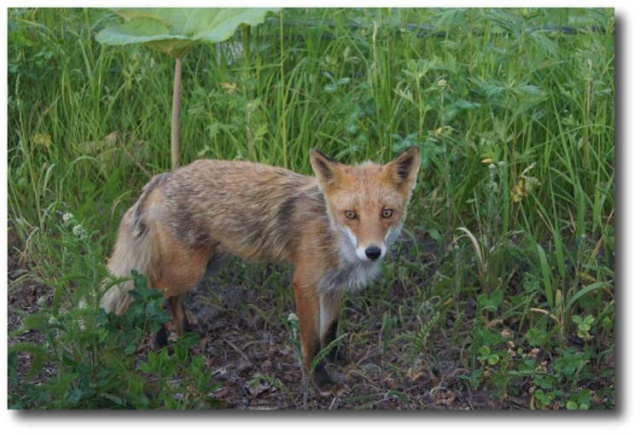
(333, 228)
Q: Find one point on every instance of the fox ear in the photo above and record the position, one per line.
(404, 168)
(323, 166)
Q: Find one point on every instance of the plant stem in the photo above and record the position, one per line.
(283, 98)
(175, 115)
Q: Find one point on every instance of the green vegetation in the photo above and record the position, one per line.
(175, 32)
(501, 293)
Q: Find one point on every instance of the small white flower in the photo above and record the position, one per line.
(67, 217)
(42, 301)
(79, 232)
(292, 317)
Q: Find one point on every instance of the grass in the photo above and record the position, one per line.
(503, 285)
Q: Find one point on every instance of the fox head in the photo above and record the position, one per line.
(366, 203)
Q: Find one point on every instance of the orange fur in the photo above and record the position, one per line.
(334, 229)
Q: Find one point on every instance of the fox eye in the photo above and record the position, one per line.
(387, 213)
(350, 214)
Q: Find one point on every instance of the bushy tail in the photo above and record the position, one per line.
(134, 250)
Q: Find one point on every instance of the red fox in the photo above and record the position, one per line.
(334, 229)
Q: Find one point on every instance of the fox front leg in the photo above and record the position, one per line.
(310, 318)
(329, 314)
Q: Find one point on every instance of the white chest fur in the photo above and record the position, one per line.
(352, 274)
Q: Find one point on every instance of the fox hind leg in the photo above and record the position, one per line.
(179, 314)
(182, 269)
(180, 320)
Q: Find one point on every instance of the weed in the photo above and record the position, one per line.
(93, 358)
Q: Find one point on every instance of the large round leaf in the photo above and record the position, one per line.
(175, 30)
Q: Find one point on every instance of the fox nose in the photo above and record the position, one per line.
(373, 252)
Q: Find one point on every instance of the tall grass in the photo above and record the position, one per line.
(513, 110)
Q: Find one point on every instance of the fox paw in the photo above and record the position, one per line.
(331, 389)
(326, 385)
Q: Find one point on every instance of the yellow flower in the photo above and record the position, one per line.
(230, 88)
